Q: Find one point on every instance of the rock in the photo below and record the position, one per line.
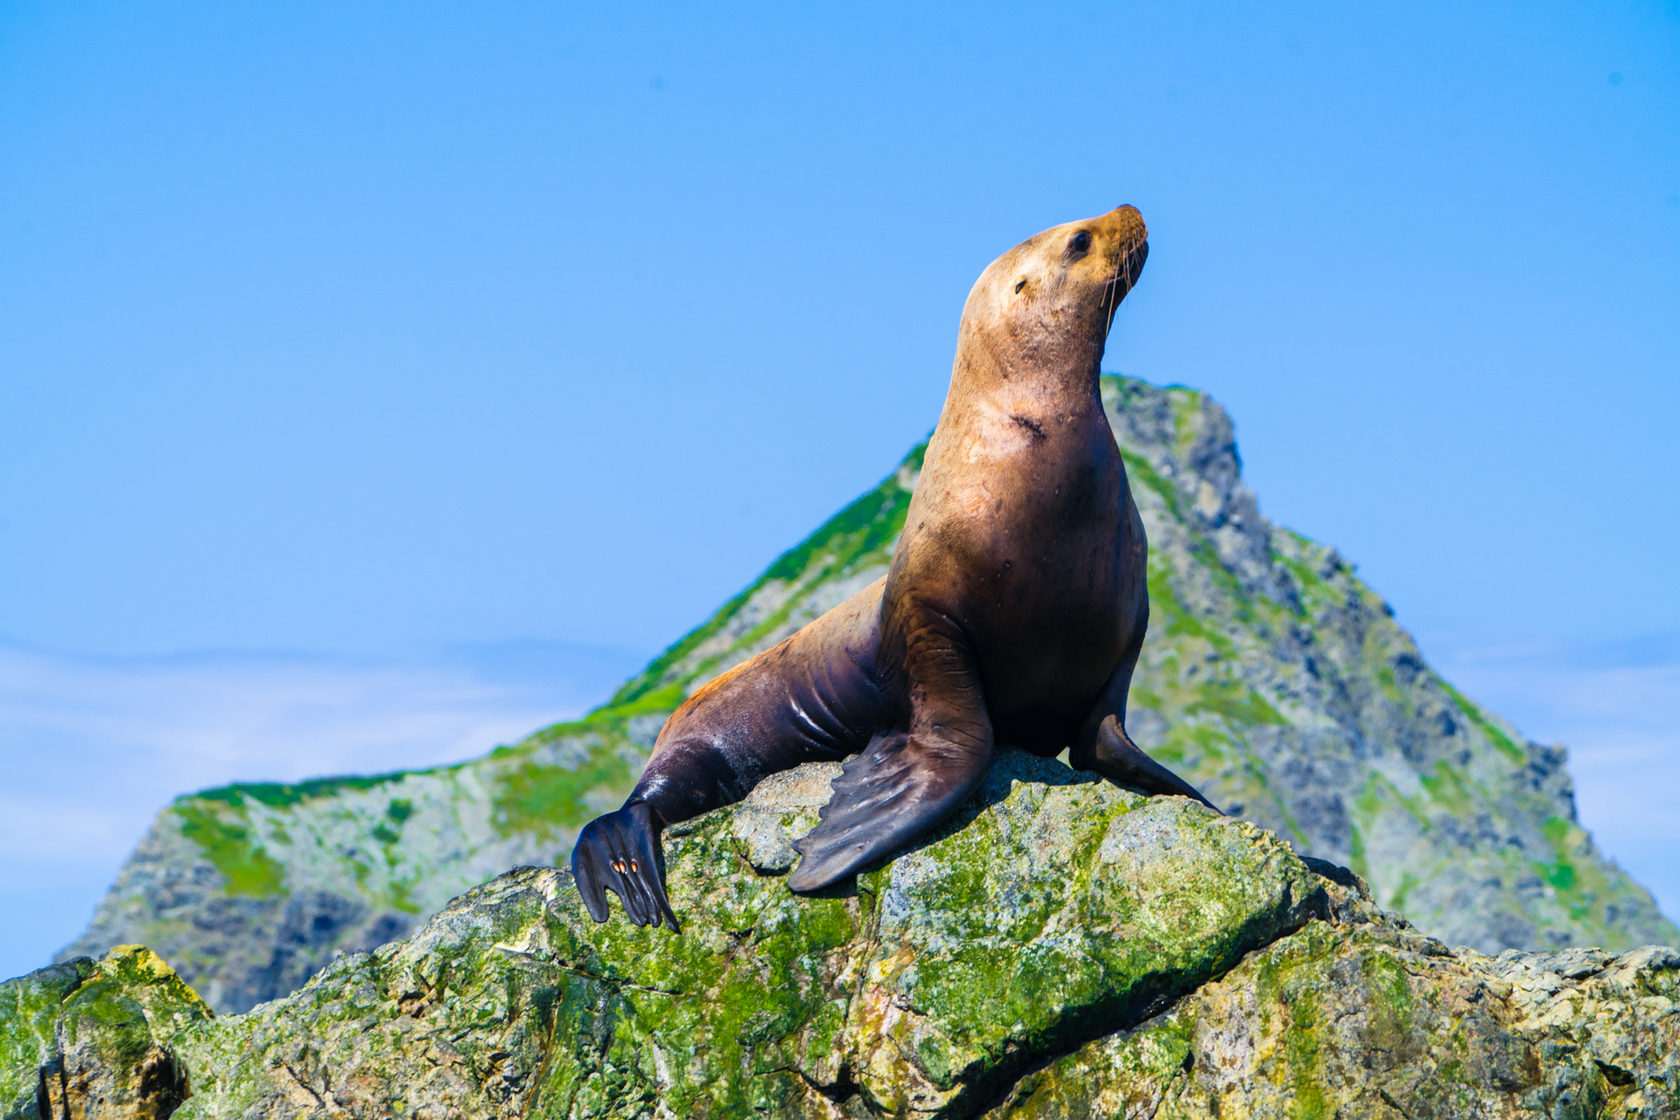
(1062, 949)
(1377, 1021)
(1273, 678)
(95, 1040)
(251, 889)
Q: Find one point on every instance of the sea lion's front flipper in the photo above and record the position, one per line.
(620, 853)
(898, 788)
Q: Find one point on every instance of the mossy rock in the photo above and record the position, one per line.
(93, 1039)
(1378, 1021)
(1050, 913)
(1061, 948)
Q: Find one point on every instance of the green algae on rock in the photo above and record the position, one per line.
(1046, 915)
(1061, 949)
(1380, 1022)
(94, 1039)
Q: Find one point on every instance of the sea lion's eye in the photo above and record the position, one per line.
(1080, 243)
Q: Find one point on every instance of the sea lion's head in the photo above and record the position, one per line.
(1052, 298)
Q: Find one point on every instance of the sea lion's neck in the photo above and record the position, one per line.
(1062, 379)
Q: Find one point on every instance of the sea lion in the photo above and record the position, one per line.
(1014, 609)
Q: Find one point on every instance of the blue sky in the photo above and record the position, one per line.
(358, 337)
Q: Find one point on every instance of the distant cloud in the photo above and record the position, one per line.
(1616, 706)
(90, 750)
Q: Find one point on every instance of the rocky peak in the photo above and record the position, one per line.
(1273, 678)
(1189, 439)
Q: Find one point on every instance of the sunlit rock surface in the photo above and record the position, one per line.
(1062, 949)
(1272, 677)
(88, 1039)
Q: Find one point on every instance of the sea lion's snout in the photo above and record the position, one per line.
(1124, 229)
(1126, 222)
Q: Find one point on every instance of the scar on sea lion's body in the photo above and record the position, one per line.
(1013, 612)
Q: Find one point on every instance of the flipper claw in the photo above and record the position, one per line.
(620, 853)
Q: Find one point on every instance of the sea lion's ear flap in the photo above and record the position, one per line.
(894, 791)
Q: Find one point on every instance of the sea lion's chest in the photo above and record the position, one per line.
(1018, 527)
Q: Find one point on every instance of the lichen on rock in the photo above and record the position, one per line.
(95, 1039)
(1061, 948)
(1379, 1021)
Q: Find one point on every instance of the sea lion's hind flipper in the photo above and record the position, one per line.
(620, 853)
(1125, 763)
(898, 788)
